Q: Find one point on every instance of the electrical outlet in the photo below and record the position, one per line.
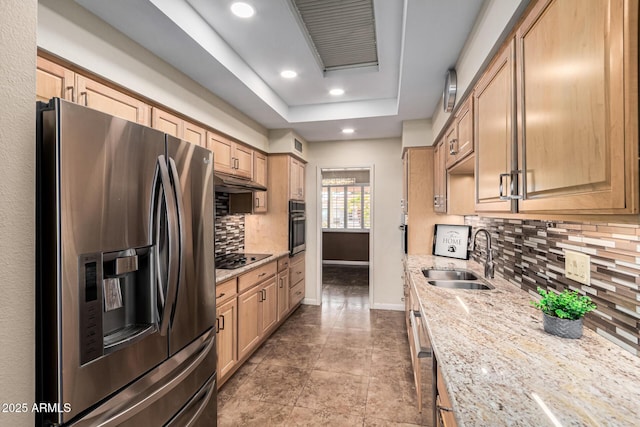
(577, 266)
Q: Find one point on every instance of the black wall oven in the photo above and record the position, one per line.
(297, 224)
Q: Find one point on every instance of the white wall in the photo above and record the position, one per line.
(493, 24)
(417, 133)
(69, 31)
(17, 207)
(384, 155)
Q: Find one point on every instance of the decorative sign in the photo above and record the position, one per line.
(452, 241)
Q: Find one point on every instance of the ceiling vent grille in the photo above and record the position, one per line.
(341, 32)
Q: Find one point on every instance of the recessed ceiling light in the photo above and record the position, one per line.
(288, 74)
(347, 130)
(336, 92)
(242, 10)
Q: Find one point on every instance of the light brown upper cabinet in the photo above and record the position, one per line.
(577, 96)
(194, 134)
(460, 137)
(494, 132)
(108, 100)
(296, 179)
(260, 177)
(230, 157)
(53, 80)
(167, 123)
(440, 177)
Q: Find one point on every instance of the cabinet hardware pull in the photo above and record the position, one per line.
(217, 325)
(257, 202)
(260, 297)
(510, 196)
(221, 295)
(280, 282)
(261, 274)
(452, 150)
(222, 327)
(86, 98)
(73, 94)
(445, 408)
(264, 292)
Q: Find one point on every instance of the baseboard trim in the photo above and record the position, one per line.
(394, 307)
(336, 262)
(310, 301)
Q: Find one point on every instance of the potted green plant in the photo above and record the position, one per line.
(563, 312)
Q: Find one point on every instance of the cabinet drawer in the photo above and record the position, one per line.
(296, 293)
(256, 276)
(296, 273)
(226, 290)
(283, 264)
(297, 258)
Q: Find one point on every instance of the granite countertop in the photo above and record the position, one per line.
(222, 275)
(501, 368)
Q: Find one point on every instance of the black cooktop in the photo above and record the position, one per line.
(235, 260)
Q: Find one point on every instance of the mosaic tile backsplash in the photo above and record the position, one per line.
(530, 253)
(229, 229)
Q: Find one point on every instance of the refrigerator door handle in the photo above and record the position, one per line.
(174, 246)
(177, 188)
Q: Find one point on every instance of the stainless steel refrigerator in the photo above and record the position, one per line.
(125, 302)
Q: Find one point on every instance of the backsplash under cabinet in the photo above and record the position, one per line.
(531, 254)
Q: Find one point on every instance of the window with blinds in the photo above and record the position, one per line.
(346, 199)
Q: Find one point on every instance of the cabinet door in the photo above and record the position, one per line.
(167, 123)
(464, 127)
(103, 98)
(194, 134)
(222, 153)
(249, 319)
(294, 178)
(493, 117)
(269, 309)
(53, 80)
(440, 178)
(244, 161)
(260, 176)
(301, 169)
(283, 294)
(571, 92)
(449, 148)
(227, 339)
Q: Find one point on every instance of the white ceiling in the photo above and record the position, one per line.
(240, 60)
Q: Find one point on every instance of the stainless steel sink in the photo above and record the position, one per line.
(432, 273)
(456, 279)
(461, 284)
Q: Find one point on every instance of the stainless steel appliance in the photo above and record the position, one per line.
(125, 273)
(232, 261)
(297, 224)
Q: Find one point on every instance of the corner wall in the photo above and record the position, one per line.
(17, 209)
(384, 155)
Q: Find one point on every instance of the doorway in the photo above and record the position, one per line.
(345, 229)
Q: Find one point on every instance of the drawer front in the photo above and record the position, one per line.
(296, 293)
(297, 258)
(226, 290)
(283, 264)
(256, 276)
(296, 273)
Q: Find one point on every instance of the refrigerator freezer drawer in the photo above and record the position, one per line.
(165, 391)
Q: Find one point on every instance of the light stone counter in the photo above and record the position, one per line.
(501, 368)
(222, 275)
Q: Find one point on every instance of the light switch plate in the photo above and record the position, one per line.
(577, 266)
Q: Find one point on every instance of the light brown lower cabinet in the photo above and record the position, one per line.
(283, 294)
(444, 410)
(257, 314)
(227, 336)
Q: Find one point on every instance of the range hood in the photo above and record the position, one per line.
(229, 184)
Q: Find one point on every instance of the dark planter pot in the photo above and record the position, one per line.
(564, 328)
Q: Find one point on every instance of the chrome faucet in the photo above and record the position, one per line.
(488, 264)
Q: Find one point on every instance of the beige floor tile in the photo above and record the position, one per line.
(342, 393)
(392, 400)
(391, 364)
(247, 413)
(309, 334)
(351, 337)
(276, 384)
(345, 359)
(305, 417)
(293, 353)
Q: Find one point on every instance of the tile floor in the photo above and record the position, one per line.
(339, 364)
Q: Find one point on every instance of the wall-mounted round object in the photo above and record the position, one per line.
(450, 89)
